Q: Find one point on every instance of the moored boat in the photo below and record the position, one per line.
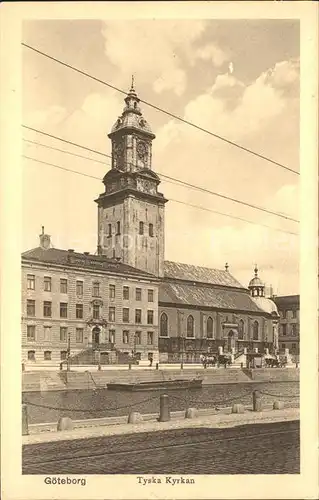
(195, 383)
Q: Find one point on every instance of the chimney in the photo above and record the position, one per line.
(45, 240)
(86, 253)
(71, 250)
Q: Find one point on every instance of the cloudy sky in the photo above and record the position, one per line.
(236, 78)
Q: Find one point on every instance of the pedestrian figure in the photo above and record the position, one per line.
(151, 360)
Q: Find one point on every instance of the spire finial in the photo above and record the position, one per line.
(132, 84)
(256, 270)
(226, 266)
(42, 229)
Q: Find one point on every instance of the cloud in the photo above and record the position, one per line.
(212, 52)
(153, 51)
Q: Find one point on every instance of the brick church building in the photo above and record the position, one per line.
(126, 298)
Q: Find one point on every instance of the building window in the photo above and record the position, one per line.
(138, 338)
(126, 293)
(283, 346)
(284, 313)
(118, 227)
(190, 326)
(96, 289)
(141, 227)
(79, 288)
(47, 356)
(138, 356)
(79, 311)
(126, 315)
(63, 285)
(284, 329)
(210, 326)
(63, 355)
(47, 309)
(31, 355)
(164, 325)
(63, 310)
(30, 307)
(79, 335)
(241, 329)
(138, 294)
(31, 282)
(150, 230)
(294, 313)
(255, 330)
(112, 336)
(150, 338)
(138, 315)
(293, 346)
(110, 230)
(293, 330)
(112, 291)
(63, 334)
(47, 333)
(31, 333)
(125, 337)
(47, 284)
(150, 317)
(150, 295)
(112, 314)
(96, 311)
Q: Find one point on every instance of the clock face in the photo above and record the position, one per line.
(142, 150)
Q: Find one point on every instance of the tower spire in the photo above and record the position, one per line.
(256, 271)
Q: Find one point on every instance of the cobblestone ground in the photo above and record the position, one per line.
(249, 449)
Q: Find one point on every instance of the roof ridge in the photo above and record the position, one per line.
(195, 265)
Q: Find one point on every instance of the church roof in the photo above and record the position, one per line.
(266, 305)
(80, 260)
(188, 272)
(203, 296)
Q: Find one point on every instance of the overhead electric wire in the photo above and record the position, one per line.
(168, 113)
(164, 176)
(66, 152)
(171, 199)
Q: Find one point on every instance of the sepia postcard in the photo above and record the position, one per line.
(159, 250)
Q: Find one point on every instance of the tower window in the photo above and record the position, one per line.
(109, 229)
(141, 228)
(118, 227)
(151, 230)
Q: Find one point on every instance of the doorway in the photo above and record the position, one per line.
(231, 341)
(96, 335)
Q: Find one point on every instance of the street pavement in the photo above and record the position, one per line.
(264, 448)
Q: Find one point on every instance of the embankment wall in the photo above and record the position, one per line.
(73, 380)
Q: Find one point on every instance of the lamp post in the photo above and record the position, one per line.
(68, 352)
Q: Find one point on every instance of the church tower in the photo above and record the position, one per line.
(131, 210)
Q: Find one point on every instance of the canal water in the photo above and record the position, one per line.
(83, 404)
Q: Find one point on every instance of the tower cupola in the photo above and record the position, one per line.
(256, 286)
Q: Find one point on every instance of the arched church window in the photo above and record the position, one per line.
(241, 329)
(210, 325)
(164, 325)
(118, 227)
(141, 228)
(190, 326)
(255, 330)
(151, 230)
